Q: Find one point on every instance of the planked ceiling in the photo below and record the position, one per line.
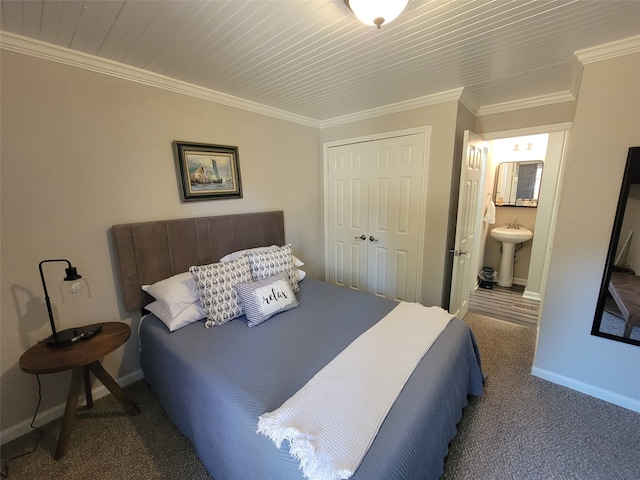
(312, 58)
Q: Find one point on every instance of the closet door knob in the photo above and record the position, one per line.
(373, 239)
(361, 237)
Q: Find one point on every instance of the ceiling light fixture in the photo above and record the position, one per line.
(376, 12)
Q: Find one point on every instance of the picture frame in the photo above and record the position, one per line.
(207, 172)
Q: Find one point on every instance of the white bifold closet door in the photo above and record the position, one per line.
(374, 216)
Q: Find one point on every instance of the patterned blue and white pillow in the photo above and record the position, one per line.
(215, 283)
(240, 253)
(267, 263)
(262, 299)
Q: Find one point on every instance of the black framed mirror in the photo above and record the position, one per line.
(518, 183)
(617, 314)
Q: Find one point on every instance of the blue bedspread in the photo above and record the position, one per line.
(214, 384)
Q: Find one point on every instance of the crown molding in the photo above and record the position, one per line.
(35, 48)
(626, 46)
(606, 51)
(576, 76)
(530, 102)
(469, 102)
(46, 51)
(437, 98)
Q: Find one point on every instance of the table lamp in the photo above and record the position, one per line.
(74, 289)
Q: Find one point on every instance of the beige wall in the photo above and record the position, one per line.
(524, 118)
(82, 151)
(442, 119)
(605, 126)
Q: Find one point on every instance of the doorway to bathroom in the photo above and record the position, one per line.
(518, 301)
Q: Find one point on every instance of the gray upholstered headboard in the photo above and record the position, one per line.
(150, 251)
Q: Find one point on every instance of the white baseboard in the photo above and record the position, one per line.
(535, 296)
(53, 413)
(528, 294)
(606, 395)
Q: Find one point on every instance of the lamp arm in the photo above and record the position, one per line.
(46, 294)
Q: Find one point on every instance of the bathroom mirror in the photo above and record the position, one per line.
(518, 184)
(617, 314)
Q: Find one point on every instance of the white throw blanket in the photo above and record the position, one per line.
(331, 422)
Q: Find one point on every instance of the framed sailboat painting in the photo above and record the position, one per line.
(207, 172)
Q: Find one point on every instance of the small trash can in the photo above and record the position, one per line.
(488, 277)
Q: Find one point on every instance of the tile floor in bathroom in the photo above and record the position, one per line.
(505, 303)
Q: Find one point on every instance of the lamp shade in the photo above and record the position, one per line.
(376, 12)
(74, 288)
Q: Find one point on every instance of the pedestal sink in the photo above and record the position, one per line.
(510, 237)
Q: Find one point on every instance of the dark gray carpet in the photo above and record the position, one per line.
(612, 323)
(521, 428)
(106, 443)
(524, 427)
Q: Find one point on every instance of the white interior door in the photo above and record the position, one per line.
(395, 198)
(348, 216)
(469, 208)
(374, 220)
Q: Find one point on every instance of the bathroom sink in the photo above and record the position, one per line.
(512, 235)
(509, 236)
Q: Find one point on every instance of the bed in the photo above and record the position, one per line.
(214, 383)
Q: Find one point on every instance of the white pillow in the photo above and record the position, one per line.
(192, 313)
(296, 261)
(215, 283)
(176, 293)
(261, 300)
(300, 274)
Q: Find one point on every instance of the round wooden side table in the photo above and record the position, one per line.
(81, 357)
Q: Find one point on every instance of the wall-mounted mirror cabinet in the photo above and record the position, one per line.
(518, 184)
(618, 310)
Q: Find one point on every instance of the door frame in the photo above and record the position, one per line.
(426, 130)
(542, 244)
(553, 213)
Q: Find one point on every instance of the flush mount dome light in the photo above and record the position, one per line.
(376, 12)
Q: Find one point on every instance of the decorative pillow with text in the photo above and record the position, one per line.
(262, 299)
